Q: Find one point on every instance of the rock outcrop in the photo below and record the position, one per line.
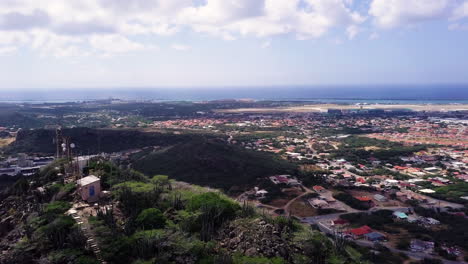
(257, 238)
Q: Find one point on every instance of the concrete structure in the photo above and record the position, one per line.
(317, 203)
(375, 236)
(318, 188)
(422, 246)
(380, 198)
(400, 215)
(89, 188)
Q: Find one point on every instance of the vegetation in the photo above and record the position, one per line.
(376, 220)
(213, 163)
(354, 149)
(151, 218)
(92, 141)
(452, 192)
(350, 200)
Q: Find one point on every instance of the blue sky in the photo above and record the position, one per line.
(193, 43)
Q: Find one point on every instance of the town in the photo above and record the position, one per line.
(392, 178)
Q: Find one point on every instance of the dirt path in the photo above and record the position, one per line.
(286, 206)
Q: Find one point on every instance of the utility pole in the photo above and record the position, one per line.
(58, 141)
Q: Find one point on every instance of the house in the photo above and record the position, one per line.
(427, 191)
(375, 236)
(430, 221)
(365, 200)
(432, 169)
(357, 233)
(417, 245)
(361, 180)
(451, 250)
(285, 179)
(9, 171)
(380, 198)
(400, 215)
(329, 199)
(279, 179)
(318, 188)
(317, 203)
(339, 221)
(89, 188)
(391, 182)
(260, 193)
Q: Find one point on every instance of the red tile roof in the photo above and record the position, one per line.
(340, 221)
(282, 179)
(363, 198)
(318, 188)
(360, 231)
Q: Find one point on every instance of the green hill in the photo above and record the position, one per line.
(91, 141)
(211, 162)
(11, 118)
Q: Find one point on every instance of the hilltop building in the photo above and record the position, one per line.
(89, 188)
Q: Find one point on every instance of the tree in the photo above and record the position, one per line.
(214, 210)
(151, 218)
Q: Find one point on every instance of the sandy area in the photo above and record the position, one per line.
(6, 141)
(325, 107)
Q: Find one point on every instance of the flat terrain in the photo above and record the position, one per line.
(325, 107)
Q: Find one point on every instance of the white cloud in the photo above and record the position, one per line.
(70, 28)
(461, 11)
(180, 47)
(352, 31)
(7, 50)
(374, 36)
(14, 37)
(222, 11)
(266, 44)
(50, 44)
(396, 13)
(457, 26)
(114, 44)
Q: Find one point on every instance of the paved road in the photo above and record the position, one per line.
(330, 217)
(438, 203)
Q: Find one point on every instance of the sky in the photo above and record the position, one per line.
(69, 44)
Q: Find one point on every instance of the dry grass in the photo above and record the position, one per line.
(280, 202)
(301, 208)
(372, 148)
(309, 168)
(6, 141)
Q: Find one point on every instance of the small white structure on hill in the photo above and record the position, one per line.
(89, 188)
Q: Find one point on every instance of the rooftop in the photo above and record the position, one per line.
(87, 180)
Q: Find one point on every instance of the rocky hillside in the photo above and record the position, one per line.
(148, 220)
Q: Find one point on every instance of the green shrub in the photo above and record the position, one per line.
(149, 243)
(151, 218)
(213, 200)
(54, 209)
(87, 260)
(257, 260)
(161, 180)
(57, 231)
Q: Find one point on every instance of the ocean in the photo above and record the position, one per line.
(397, 94)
